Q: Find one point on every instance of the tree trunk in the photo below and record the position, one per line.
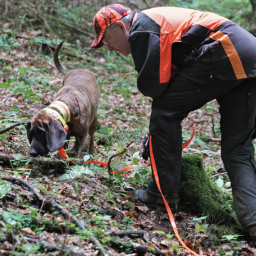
(253, 3)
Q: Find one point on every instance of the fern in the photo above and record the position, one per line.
(77, 172)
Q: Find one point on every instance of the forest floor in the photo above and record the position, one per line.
(28, 82)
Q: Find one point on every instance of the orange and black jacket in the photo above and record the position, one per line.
(162, 38)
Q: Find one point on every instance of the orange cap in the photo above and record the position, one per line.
(105, 17)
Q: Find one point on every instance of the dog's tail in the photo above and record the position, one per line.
(56, 60)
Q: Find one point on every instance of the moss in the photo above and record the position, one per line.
(126, 93)
(52, 225)
(103, 136)
(99, 234)
(204, 195)
(129, 206)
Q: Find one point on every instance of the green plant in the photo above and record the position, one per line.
(211, 169)
(7, 41)
(4, 188)
(29, 248)
(21, 85)
(76, 172)
(230, 238)
(235, 246)
(15, 220)
(176, 247)
(199, 226)
(124, 91)
(127, 222)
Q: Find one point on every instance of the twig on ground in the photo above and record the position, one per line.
(127, 232)
(208, 139)
(11, 127)
(50, 246)
(52, 202)
(128, 145)
(215, 175)
(5, 159)
(200, 121)
(139, 248)
(63, 245)
(112, 213)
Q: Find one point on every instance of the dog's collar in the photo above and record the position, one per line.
(64, 110)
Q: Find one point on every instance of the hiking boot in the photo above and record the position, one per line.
(252, 232)
(153, 201)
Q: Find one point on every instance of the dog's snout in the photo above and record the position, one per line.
(33, 152)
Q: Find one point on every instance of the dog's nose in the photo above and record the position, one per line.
(33, 152)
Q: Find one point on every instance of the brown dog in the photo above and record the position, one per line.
(80, 95)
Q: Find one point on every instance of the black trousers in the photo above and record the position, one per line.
(190, 89)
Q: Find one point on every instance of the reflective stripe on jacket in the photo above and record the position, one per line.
(164, 39)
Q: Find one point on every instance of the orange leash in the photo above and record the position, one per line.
(63, 154)
(171, 218)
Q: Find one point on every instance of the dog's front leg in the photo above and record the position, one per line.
(82, 145)
(91, 132)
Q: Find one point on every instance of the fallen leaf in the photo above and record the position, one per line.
(27, 231)
(8, 246)
(167, 243)
(151, 245)
(118, 218)
(60, 219)
(143, 208)
(179, 216)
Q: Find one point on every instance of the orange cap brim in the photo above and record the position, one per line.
(97, 43)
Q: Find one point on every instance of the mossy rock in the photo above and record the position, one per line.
(203, 194)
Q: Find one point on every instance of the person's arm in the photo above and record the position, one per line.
(145, 48)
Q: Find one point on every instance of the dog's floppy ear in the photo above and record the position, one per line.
(28, 126)
(55, 135)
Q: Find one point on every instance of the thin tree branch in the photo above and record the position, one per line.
(52, 202)
(146, 4)
(63, 245)
(77, 29)
(11, 127)
(6, 7)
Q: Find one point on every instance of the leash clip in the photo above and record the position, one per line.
(66, 128)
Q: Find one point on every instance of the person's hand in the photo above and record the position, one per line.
(144, 147)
